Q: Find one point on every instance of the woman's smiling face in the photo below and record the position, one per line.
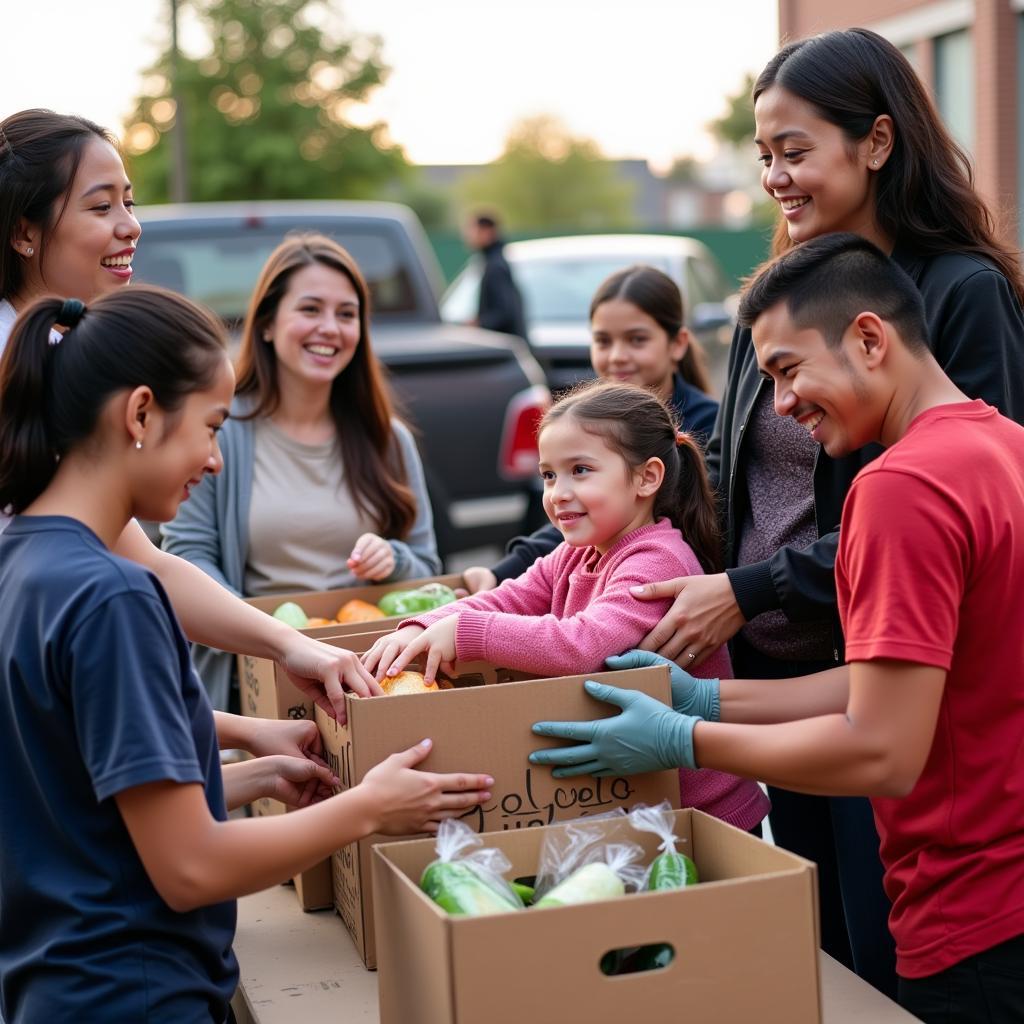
(821, 180)
(89, 251)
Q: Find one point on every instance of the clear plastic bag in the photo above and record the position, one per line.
(467, 877)
(670, 869)
(577, 865)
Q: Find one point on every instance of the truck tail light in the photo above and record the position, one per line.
(517, 456)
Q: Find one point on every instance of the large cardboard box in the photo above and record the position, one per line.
(745, 940)
(478, 727)
(267, 692)
(324, 604)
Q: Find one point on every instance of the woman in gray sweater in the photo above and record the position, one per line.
(322, 486)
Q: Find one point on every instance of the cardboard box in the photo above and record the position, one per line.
(324, 604)
(302, 967)
(267, 692)
(481, 728)
(745, 940)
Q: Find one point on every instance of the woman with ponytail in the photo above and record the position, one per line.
(119, 866)
(629, 493)
(68, 227)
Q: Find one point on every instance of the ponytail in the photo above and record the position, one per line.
(639, 426)
(52, 391)
(28, 460)
(688, 500)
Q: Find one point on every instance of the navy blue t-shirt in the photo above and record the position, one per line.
(97, 695)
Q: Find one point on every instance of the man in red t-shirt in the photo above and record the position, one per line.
(928, 716)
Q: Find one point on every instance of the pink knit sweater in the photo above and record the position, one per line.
(572, 609)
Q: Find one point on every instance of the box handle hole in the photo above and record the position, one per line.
(634, 959)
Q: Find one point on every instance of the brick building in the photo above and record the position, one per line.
(969, 53)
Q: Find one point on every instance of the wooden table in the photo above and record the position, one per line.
(303, 967)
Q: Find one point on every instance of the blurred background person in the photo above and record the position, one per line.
(501, 305)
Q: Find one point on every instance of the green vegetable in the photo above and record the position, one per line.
(524, 892)
(411, 602)
(458, 889)
(595, 881)
(291, 613)
(672, 871)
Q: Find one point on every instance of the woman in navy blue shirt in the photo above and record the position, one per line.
(119, 868)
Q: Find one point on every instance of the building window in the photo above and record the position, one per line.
(954, 84)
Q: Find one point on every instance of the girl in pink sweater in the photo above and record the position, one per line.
(620, 482)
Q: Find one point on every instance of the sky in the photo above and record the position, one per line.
(640, 77)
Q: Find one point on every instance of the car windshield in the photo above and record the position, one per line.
(561, 289)
(219, 266)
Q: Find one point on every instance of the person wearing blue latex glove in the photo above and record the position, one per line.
(690, 695)
(646, 737)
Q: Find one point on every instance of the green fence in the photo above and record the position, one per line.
(738, 251)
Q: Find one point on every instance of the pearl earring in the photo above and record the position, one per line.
(138, 444)
(29, 251)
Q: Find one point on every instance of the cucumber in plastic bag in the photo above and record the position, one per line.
(467, 878)
(594, 881)
(458, 889)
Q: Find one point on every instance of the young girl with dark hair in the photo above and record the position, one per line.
(323, 486)
(119, 868)
(629, 493)
(849, 140)
(637, 336)
(67, 226)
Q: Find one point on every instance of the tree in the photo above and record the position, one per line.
(547, 179)
(267, 109)
(736, 125)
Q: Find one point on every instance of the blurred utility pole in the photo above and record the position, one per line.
(179, 161)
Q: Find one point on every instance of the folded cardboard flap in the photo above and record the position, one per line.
(744, 940)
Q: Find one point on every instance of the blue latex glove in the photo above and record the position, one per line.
(647, 736)
(690, 695)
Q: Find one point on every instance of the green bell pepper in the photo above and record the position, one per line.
(412, 602)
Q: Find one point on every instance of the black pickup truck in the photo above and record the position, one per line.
(472, 396)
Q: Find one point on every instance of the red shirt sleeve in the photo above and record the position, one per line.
(901, 569)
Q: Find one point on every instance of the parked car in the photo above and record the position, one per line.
(472, 396)
(558, 277)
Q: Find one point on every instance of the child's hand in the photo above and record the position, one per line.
(372, 558)
(409, 801)
(478, 578)
(382, 654)
(437, 642)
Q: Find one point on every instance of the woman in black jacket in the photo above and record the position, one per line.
(849, 141)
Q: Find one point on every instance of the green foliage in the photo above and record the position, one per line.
(736, 126)
(267, 109)
(546, 178)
